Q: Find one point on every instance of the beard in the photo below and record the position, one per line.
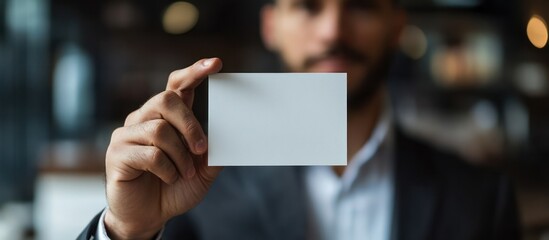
(370, 83)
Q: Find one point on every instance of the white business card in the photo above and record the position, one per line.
(277, 119)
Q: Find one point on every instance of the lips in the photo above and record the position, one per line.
(331, 64)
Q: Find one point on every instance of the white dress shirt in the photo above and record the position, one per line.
(101, 232)
(357, 205)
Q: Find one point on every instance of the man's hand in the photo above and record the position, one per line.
(157, 163)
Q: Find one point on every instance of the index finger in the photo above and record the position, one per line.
(189, 78)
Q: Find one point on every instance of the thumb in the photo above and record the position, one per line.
(184, 81)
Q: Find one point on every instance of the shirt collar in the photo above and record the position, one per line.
(380, 135)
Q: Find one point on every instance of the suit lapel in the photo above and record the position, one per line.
(286, 203)
(416, 195)
(416, 191)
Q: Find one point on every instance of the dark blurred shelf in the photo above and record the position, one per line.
(72, 157)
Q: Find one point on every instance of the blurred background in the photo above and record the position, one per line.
(471, 76)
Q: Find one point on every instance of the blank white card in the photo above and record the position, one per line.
(277, 119)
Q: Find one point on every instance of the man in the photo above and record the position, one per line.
(394, 187)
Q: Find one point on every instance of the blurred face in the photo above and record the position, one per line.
(352, 36)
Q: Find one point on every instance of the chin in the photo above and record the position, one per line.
(355, 80)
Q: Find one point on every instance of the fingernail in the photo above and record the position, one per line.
(190, 172)
(208, 62)
(200, 146)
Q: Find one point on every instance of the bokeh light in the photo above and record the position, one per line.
(413, 42)
(537, 31)
(180, 17)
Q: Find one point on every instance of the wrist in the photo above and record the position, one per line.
(120, 229)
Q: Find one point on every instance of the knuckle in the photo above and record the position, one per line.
(130, 118)
(109, 154)
(170, 100)
(159, 129)
(156, 157)
(173, 75)
(117, 134)
(115, 146)
(174, 79)
(112, 155)
(178, 77)
(134, 117)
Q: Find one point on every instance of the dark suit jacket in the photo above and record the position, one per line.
(437, 196)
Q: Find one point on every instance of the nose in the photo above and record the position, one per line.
(329, 29)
